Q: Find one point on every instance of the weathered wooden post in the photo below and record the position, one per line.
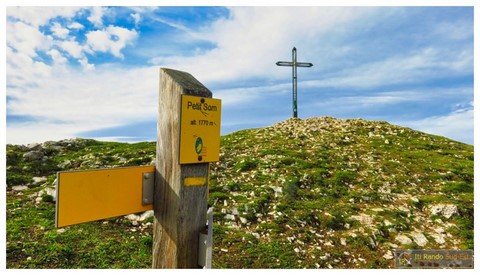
(187, 130)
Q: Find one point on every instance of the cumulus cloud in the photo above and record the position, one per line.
(96, 16)
(111, 39)
(57, 57)
(26, 39)
(39, 16)
(59, 31)
(75, 26)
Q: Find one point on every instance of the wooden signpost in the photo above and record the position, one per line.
(188, 139)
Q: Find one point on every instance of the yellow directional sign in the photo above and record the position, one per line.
(200, 129)
(90, 195)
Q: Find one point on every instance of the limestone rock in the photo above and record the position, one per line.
(402, 239)
(33, 155)
(363, 219)
(438, 238)
(446, 210)
(419, 238)
(36, 180)
(48, 191)
(19, 187)
(388, 255)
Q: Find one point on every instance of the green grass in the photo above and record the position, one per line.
(32, 239)
(327, 174)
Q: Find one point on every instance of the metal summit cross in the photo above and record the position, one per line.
(294, 64)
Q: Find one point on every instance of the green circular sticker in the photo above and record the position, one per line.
(198, 145)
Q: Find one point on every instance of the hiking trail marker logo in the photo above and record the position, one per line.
(200, 129)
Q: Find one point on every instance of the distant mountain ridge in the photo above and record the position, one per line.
(302, 193)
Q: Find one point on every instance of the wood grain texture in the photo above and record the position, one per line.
(180, 211)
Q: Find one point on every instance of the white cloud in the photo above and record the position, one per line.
(57, 57)
(111, 39)
(252, 39)
(361, 102)
(85, 65)
(75, 26)
(59, 31)
(39, 16)
(96, 16)
(26, 39)
(72, 47)
(136, 17)
(424, 64)
(247, 45)
(457, 125)
(23, 72)
(83, 102)
(239, 97)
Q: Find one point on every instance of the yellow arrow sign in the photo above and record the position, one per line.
(90, 195)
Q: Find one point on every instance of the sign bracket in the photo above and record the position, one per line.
(148, 181)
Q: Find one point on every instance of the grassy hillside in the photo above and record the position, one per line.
(314, 193)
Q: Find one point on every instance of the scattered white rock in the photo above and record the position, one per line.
(61, 230)
(438, 238)
(402, 239)
(39, 179)
(19, 187)
(33, 155)
(388, 255)
(363, 219)
(229, 217)
(132, 217)
(146, 215)
(446, 210)
(419, 238)
(48, 191)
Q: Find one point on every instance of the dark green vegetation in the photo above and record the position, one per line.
(32, 239)
(314, 193)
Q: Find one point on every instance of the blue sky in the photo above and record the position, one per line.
(93, 72)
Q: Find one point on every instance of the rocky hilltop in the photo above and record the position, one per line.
(331, 193)
(312, 193)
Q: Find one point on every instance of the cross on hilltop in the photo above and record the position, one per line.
(294, 64)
